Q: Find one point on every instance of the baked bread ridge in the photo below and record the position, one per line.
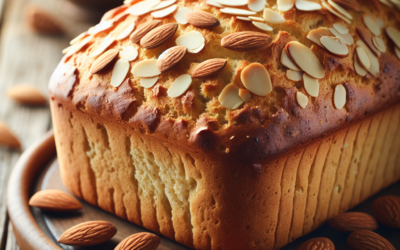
(263, 127)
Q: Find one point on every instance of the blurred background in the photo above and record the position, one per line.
(32, 35)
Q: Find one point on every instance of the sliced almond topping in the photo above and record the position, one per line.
(148, 82)
(129, 53)
(65, 51)
(209, 68)
(311, 85)
(142, 7)
(339, 98)
(366, 35)
(8, 138)
(201, 19)
(127, 31)
(305, 5)
(305, 59)
(302, 99)
(163, 4)
(256, 79)
(239, 12)
(273, 17)
(334, 12)
(394, 35)
(363, 58)
(246, 41)
(232, 2)
(229, 97)
(255, 18)
(158, 36)
(257, 5)
(262, 26)
(397, 51)
(102, 26)
(103, 61)
(349, 4)
(333, 45)
(191, 40)
(78, 38)
(143, 30)
(180, 15)
(214, 3)
(294, 75)
(197, 50)
(344, 38)
(169, 58)
(120, 70)
(379, 44)
(340, 9)
(164, 12)
(357, 66)
(103, 46)
(387, 3)
(341, 28)
(244, 94)
(179, 86)
(146, 68)
(374, 70)
(287, 61)
(78, 46)
(316, 34)
(285, 5)
(243, 18)
(372, 25)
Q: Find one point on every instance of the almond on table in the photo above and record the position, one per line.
(27, 95)
(54, 201)
(140, 241)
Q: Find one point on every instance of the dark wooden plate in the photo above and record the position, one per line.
(38, 169)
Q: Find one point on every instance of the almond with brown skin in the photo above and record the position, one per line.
(26, 94)
(103, 60)
(209, 68)
(41, 21)
(352, 221)
(169, 58)
(7, 138)
(89, 233)
(246, 41)
(54, 201)
(140, 241)
(143, 30)
(201, 19)
(387, 210)
(158, 36)
(364, 239)
(317, 244)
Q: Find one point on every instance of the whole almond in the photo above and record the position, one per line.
(364, 239)
(201, 19)
(321, 243)
(89, 233)
(158, 36)
(140, 241)
(7, 138)
(169, 58)
(41, 21)
(54, 201)
(246, 41)
(352, 221)
(387, 210)
(26, 94)
(143, 30)
(209, 68)
(103, 60)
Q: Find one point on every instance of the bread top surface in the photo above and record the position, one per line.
(260, 128)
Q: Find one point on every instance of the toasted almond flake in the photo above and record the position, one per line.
(229, 97)
(344, 38)
(243, 18)
(103, 46)
(78, 38)
(197, 50)
(379, 44)
(209, 68)
(78, 46)
(129, 53)
(387, 3)
(305, 59)
(164, 12)
(244, 94)
(372, 25)
(143, 29)
(340, 9)
(156, 37)
(102, 26)
(363, 58)
(395, 3)
(142, 7)
(349, 4)
(333, 45)
(272, 17)
(334, 12)
(374, 70)
(201, 19)
(179, 86)
(397, 51)
(256, 79)
(169, 58)
(148, 82)
(341, 28)
(163, 4)
(316, 34)
(127, 31)
(357, 66)
(339, 98)
(262, 26)
(294, 75)
(256, 5)
(232, 2)
(146, 68)
(287, 61)
(239, 12)
(214, 3)
(180, 15)
(120, 70)
(255, 18)
(285, 5)
(394, 35)
(65, 51)
(367, 36)
(311, 85)
(191, 40)
(103, 60)
(305, 5)
(8, 138)
(302, 99)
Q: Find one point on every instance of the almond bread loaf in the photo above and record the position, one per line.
(231, 124)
